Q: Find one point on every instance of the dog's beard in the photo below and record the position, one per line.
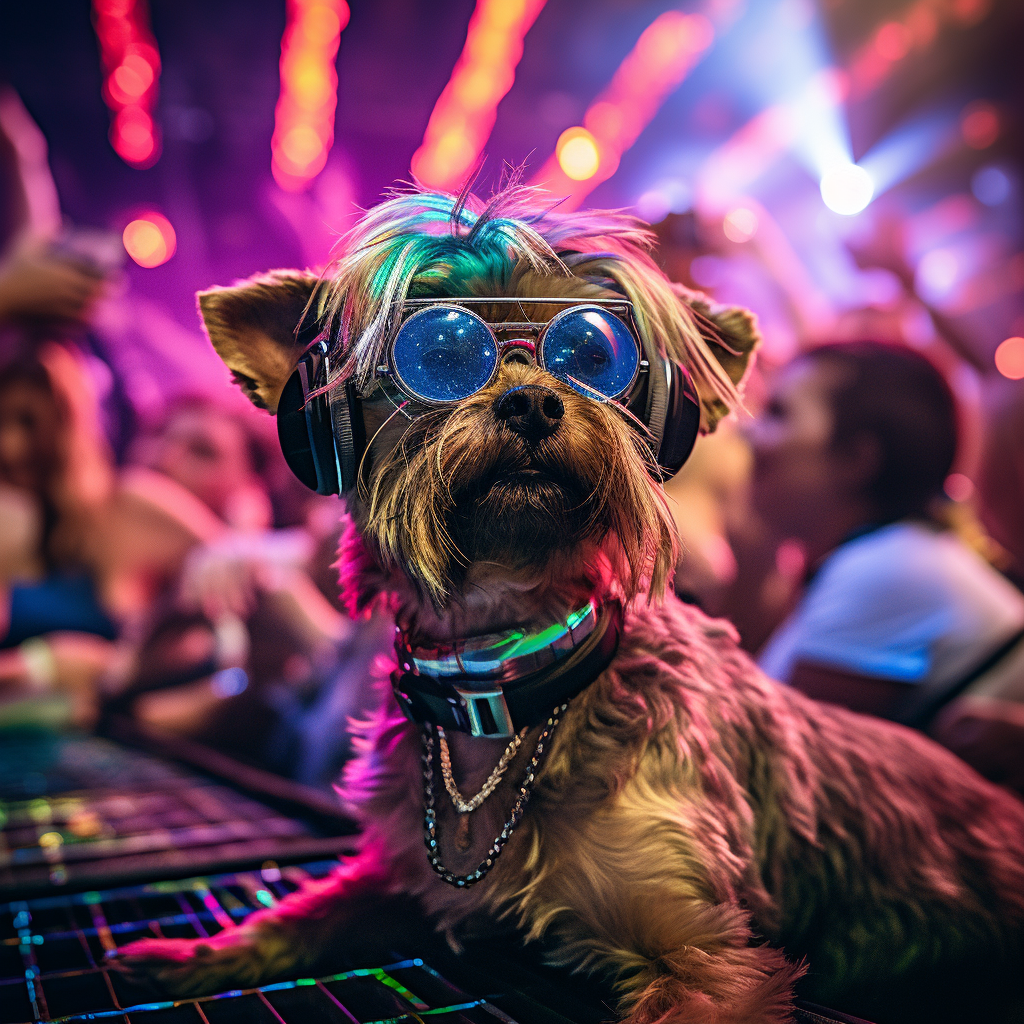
(461, 488)
(519, 517)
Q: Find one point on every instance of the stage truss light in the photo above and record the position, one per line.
(464, 114)
(304, 116)
(131, 73)
(662, 57)
(847, 189)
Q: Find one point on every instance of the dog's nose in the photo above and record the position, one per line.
(530, 410)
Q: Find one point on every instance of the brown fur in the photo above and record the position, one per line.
(696, 829)
(252, 325)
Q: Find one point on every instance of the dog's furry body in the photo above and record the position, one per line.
(689, 811)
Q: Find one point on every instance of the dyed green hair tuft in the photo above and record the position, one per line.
(419, 243)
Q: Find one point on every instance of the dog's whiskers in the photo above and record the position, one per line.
(363, 491)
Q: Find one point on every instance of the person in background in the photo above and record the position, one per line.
(850, 456)
(84, 551)
(246, 632)
(985, 726)
(1000, 476)
(55, 484)
(211, 451)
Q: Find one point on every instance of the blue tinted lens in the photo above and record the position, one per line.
(591, 350)
(444, 354)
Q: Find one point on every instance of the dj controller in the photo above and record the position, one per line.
(103, 842)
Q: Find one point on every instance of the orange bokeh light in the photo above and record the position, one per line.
(1010, 358)
(322, 24)
(660, 60)
(150, 239)
(577, 154)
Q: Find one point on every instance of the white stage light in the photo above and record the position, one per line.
(847, 189)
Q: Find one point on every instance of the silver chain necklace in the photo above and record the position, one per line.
(430, 817)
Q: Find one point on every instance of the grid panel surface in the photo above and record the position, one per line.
(74, 809)
(53, 964)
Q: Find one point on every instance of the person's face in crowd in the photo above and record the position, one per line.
(797, 477)
(29, 434)
(208, 455)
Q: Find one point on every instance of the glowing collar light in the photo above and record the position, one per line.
(508, 654)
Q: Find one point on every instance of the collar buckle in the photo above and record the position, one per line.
(485, 713)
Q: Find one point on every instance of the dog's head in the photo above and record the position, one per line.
(500, 467)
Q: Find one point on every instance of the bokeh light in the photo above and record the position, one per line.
(991, 185)
(304, 116)
(131, 69)
(958, 487)
(979, 124)
(662, 57)
(740, 224)
(464, 114)
(937, 272)
(577, 154)
(892, 41)
(847, 189)
(672, 195)
(149, 239)
(1010, 358)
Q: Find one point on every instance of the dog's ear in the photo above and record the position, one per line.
(732, 336)
(253, 326)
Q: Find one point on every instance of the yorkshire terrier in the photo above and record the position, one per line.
(498, 390)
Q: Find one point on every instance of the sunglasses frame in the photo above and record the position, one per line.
(614, 306)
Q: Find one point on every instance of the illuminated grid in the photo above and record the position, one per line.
(53, 962)
(53, 949)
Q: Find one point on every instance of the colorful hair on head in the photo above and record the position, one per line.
(419, 243)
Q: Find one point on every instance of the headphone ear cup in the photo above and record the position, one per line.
(321, 441)
(293, 432)
(304, 426)
(682, 419)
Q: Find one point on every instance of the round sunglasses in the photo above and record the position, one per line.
(444, 352)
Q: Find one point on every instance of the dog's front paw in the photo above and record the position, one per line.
(194, 967)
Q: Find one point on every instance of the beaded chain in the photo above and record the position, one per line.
(461, 804)
(430, 817)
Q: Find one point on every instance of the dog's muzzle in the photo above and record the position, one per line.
(496, 689)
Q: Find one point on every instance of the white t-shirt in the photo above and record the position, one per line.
(904, 602)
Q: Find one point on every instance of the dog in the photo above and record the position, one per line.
(470, 376)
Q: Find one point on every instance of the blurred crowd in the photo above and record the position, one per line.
(167, 567)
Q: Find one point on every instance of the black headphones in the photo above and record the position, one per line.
(323, 437)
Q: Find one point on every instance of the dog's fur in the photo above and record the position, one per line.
(698, 832)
